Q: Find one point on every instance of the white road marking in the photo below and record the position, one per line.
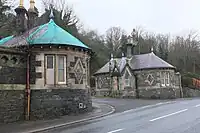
(169, 102)
(139, 108)
(127, 111)
(147, 106)
(197, 105)
(114, 131)
(169, 115)
(159, 103)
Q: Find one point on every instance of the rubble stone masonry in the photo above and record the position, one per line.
(47, 102)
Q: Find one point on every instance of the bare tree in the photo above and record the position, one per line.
(113, 38)
(66, 13)
(184, 52)
(163, 42)
(146, 42)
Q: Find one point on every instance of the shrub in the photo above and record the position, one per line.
(187, 79)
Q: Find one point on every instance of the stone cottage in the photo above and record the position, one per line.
(139, 76)
(44, 71)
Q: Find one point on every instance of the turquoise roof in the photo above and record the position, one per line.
(2, 41)
(50, 33)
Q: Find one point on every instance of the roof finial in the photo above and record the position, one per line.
(32, 4)
(51, 16)
(21, 3)
(152, 49)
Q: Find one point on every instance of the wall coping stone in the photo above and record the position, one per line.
(12, 86)
(11, 50)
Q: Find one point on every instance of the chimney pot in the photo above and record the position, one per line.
(21, 19)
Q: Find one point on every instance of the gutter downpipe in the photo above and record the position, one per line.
(28, 87)
(28, 91)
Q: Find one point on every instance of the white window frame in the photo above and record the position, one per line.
(46, 68)
(57, 68)
(162, 78)
(165, 79)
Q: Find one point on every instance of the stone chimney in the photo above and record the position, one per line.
(129, 50)
(132, 42)
(32, 15)
(21, 19)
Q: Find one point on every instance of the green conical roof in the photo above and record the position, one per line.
(51, 33)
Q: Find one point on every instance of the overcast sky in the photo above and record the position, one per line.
(160, 16)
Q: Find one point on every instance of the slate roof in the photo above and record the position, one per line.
(105, 68)
(19, 40)
(148, 61)
(49, 33)
(142, 61)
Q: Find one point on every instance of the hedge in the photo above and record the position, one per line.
(187, 79)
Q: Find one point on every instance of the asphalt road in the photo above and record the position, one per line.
(122, 105)
(183, 116)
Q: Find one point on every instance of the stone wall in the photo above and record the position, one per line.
(58, 102)
(189, 92)
(128, 90)
(12, 85)
(102, 83)
(11, 105)
(75, 60)
(159, 93)
(46, 101)
(51, 101)
(149, 84)
(103, 87)
(152, 78)
(12, 68)
(33, 74)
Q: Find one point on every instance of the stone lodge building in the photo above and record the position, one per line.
(44, 71)
(138, 76)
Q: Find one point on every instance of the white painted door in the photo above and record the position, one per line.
(50, 69)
